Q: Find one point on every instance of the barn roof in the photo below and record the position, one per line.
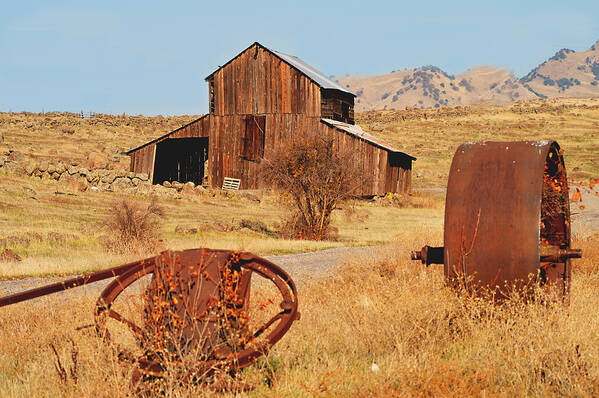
(312, 73)
(356, 131)
(163, 136)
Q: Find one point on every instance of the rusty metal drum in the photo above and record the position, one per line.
(507, 206)
(507, 220)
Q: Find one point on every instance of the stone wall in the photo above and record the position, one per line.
(75, 178)
(71, 178)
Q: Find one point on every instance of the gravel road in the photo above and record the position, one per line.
(585, 221)
(299, 266)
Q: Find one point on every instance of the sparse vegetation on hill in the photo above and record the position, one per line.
(433, 135)
(566, 74)
(431, 87)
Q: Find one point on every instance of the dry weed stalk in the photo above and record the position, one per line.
(132, 227)
(73, 369)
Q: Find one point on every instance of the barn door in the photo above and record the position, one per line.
(180, 159)
(252, 146)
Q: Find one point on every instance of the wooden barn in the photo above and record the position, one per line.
(258, 101)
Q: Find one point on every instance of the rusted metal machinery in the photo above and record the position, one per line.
(507, 219)
(195, 305)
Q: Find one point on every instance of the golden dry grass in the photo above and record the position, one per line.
(388, 311)
(574, 123)
(31, 207)
(385, 310)
(65, 136)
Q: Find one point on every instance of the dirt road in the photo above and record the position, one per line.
(585, 213)
(300, 267)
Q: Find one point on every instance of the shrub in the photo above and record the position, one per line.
(595, 70)
(314, 176)
(561, 54)
(464, 83)
(565, 83)
(132, 226)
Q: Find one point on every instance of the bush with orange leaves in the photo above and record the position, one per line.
(188, 336)
(314, 176)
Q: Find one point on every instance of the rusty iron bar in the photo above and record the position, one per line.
(67, 284)
(548, 255)
(554, 254)
(429, 255)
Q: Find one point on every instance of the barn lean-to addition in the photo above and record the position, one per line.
(258, 101)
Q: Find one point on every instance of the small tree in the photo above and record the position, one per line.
(314, 176)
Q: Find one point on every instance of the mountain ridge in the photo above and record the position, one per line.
(567, 73)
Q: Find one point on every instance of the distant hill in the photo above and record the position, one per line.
(430, 87)
(566, 74)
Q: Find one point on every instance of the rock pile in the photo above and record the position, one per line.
(73, 179)
(179, 189)
(26, 239)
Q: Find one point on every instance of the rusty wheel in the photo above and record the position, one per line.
(507, 219)
(204, 285)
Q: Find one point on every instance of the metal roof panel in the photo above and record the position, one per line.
(356, 131)
(313, 74)
(317, 76)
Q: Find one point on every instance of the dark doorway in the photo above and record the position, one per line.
(180, 159)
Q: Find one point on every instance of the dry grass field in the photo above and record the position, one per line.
(68, 137)
(388, 311)
(379, 326)
(58, 234)
(433, 135)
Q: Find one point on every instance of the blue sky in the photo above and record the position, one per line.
(151, 57)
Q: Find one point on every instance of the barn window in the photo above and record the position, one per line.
(211, 90)
(252, 146)
(345, 111)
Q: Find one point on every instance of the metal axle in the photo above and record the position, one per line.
(549, 254)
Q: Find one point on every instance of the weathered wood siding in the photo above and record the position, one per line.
(257, 82)
(142, 159)
(379, 174)
(337, 105)
(226, 145)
